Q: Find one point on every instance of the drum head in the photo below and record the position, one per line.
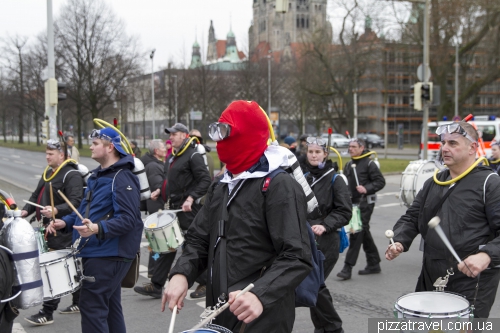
(159, 220)
(435, 304)
(54, 255)
(425, 172)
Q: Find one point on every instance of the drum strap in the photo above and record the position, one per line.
(221, 234)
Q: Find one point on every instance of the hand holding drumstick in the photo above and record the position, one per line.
(87, 222)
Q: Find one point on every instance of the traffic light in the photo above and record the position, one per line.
(115, 123)
(60, 88)
(416, 97)
(427, 91)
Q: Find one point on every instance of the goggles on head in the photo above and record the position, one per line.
(219, 131)
(311, 140)
(96, 134)
(453, 128)
(54, 144)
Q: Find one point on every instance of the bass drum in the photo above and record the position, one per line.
(413, 179)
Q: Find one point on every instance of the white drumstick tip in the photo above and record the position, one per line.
(389, 233)
(353, 165)
(434, 222)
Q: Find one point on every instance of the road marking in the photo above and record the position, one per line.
(17, 328)
(15, 156)
(388, 193)
(143, 268)
(202, 304)
(389, 205)
(144, 244)
(36, 166)
(38, 176)
(19, 162)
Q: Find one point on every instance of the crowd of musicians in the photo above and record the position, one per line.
(248, 223)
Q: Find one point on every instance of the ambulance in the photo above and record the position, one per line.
(488, 128)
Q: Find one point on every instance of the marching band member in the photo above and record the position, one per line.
(265, 235)
(335, 204)
(67, 178)
(495, 156)
(466, 197)
(365, 179)
(112, 223)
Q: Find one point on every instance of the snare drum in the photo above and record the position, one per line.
(60, 274)
(413, 179)
(210, 328)
(433, 306)
(163, 232)
(40, 239)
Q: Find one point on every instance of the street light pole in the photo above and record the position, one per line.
(175, 96)
(456, 79)
(425, 77)
(152, 55)
(269, 83)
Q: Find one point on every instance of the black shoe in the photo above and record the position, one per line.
(39, 319)
(346, 272)
(148, 289)
(73, 308)
(370, 269)
(200, 292)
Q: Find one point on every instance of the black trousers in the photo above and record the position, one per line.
(162, 268)
(324, 316)
(363, 237)
(50, 306)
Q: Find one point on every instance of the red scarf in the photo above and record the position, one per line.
(248, 138)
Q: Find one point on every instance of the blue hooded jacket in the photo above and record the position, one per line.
(115, 192)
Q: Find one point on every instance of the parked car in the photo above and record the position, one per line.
(338, 140)
(372, 140)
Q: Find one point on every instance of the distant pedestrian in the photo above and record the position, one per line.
(135, 149)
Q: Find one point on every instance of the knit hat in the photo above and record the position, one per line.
(249, 135)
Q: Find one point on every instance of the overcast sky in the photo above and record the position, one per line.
(169, 26)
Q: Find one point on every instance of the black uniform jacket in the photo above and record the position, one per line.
(186, 175)
(470, 217)
(267, 241)
(70, 182)
(369, 176)
(154, 171)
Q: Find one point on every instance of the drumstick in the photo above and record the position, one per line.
(172, 320)
(74, 209)
(52, 206)
(34, 204)
(173, 211)
(355, 174)
(222, 308)
(434, 224)
(389, 234)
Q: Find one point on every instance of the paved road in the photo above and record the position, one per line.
(356, 300)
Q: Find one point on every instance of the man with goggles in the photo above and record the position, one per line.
(470, 217)
(219, 131)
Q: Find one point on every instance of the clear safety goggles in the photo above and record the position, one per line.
(219, 131)
(54, 144)
(96, 134)
(311, 140)
(453, 128)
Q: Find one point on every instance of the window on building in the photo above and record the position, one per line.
(391, 99)
(490, 101)
(477, 100)
(290, 6)
(391, 57)
(406, 100)
(319, 7)
(298, 22)
(406, 80)
(307, 23)
(302, 23)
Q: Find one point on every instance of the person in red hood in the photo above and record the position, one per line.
(243, 235)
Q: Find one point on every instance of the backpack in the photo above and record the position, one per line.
(306, 293)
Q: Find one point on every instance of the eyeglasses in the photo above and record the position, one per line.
(453, 128)
(54, 144)
(96, 134)
(311, 140)
(219, 131)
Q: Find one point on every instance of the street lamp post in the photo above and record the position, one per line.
(269, 82)
(152, 55)
(175, 96)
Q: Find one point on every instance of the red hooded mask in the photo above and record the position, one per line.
(248, 138)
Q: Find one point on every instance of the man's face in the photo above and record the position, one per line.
(355, 149)
(161, 152)
(177, 139)
(456, 149)
(54, 157)
(70, 142)
(99, 150)
(495, 152)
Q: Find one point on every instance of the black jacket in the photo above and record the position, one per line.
(154, 171)
(369, 176)
(186, 175)
(470, 216)
(6, 281)
(263, 231)
(70, 182)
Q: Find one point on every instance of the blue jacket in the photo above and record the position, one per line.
(120, 234)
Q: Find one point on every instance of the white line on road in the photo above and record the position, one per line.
(17, 328)
(38, 176)
(143, 268)
(144, 244)
(388, 205)
(36, 166)
(15, 156)
(388, 193)
(19, 162)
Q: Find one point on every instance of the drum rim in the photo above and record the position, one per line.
(440, 315)
(63, 293)
(70, 254)
(159, 228)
